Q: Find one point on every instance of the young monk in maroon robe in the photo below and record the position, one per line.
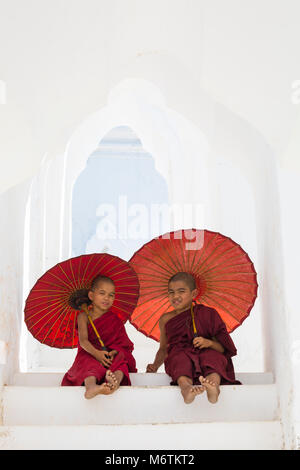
(102, 372)
(196, 363)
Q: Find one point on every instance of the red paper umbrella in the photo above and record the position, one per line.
(50, 314)
(224, 274)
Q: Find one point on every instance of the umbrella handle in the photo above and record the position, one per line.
(84, 306)
(193, 320)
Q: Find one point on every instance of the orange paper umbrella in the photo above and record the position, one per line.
(224, 274)
(51, 307)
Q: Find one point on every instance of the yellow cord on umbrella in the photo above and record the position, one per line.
(84, 306)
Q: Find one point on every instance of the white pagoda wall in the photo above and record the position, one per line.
(226, 73)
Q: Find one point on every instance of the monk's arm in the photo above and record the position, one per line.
(86, 344)
(216, 345)
(162, 352)
(200, 342)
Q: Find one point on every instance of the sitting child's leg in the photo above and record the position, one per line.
(92, 388)
(212, 385)
(188, 390)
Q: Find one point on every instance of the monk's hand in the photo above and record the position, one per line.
(200, 342)
(112, 354)
(104, 358)
(151, 368)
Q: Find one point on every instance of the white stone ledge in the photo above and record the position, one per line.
(135, 405)
(206, 436)
(49, 379)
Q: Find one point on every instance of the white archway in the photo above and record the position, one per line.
(168, 136)
(182, 155)
(140, 106)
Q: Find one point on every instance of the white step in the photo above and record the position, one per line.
(204, 436)
(37, 413)
(135, 405)
(53, 379)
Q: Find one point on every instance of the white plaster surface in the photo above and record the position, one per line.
(67, 405)
(202, 50)
(220, 101)
(45, 378)
(203, 436)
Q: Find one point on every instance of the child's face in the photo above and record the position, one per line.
(180, 295)
(103, 295)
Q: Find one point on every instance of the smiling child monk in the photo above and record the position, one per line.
(196, 363)
(102, 372)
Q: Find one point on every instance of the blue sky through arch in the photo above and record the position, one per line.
(113, 196)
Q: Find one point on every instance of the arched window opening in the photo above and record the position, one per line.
(114, 195)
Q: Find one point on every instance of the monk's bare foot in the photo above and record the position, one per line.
(189, 392)
(103, 389)
(112, 380)
(212, 389)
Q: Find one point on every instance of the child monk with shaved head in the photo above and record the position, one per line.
(102, 372)
(198, 360)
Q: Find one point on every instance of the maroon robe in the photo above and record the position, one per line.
(184, 359)
(113, 334)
